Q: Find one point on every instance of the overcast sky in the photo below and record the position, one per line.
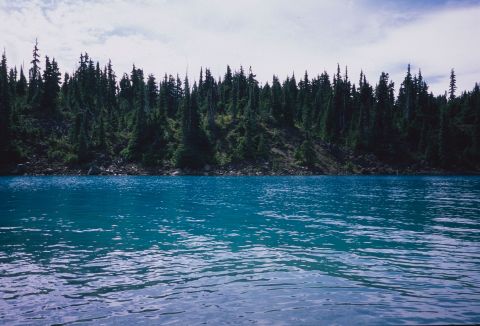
(273, 36)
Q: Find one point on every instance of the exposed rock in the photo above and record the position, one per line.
(176, 172)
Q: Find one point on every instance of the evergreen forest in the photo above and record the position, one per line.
(94, 115)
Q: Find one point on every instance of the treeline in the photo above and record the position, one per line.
(93, 113)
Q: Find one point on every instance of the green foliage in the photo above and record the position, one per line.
(91, 115)
(60, 150)
(51, 87)
(306, 154)
(5, 111)
(194, 149)
(443, 140)
(262, 148)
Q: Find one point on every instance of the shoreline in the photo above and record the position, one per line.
(131, 169)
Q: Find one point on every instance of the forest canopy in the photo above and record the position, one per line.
(93, 114)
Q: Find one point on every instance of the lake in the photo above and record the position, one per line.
(239, 250)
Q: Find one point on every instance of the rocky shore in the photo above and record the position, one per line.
(43, 167)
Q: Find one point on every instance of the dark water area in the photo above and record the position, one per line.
(239, 250)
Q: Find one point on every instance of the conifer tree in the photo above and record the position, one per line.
(321, 101)
(453, 85)
(304, 102)
(382, 123)
(443, 139)
(193, 150)
(366, 100)
(227, 87)
(83, 142)
(136, 144)
(4, 111)
(289, 101)
(276, 103)
(152, 93)
(406, 96)
(247, 146)
(21, 84)
(475, 150)
(35, 80)
(51, 86)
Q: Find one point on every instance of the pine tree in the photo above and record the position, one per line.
(247, 145)
(227, 88)
(321, 102)
(337, 109)
(476, 128)
(211, 100)
(382, 122)
(35, 81)
(102, 143)
(366, 100)
(4, 112)
(83, 142)
(276, 103)
(305, 103)
(12, 83)
(51, 86)
(170, 92)
(111, 96)
(265, 102)
(406, 96)
(22, 84)
(443, 140)
(152, 93)
(453, 86)
(193, 151)
(137, 141)
(235, 101)
(262, 148)
(289, 101)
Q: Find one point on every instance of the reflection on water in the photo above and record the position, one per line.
(239, 250)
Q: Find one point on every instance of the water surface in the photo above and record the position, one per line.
(239, 250)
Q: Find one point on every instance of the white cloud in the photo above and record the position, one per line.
(272, 36)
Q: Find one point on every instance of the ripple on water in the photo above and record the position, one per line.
(281, 250)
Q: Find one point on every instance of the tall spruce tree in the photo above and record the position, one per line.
(193, 150)
(453, 85)
(35, 80)
(4, 112)
(51, 86)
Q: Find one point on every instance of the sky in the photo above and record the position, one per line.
(272, 36)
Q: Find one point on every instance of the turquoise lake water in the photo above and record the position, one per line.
(239, 250)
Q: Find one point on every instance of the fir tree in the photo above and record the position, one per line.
(22, 84)
(276, 103)
(51, 86)
(453, 85)
(443, 140)
(193, 150)
(35, 80)
(4, 112)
